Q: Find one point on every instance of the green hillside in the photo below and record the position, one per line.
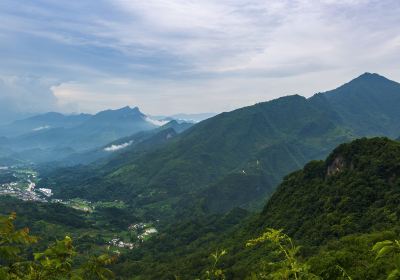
(355, 190)
(335, 209)
(248, 150)
(367, 105)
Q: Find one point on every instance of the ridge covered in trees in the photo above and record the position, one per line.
(333, 219)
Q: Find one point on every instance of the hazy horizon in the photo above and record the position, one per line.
(200, 56)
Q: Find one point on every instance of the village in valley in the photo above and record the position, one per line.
(21, 182)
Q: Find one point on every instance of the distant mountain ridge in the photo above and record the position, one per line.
(237, 158)
(137, 143)
(94, 131)
(41, 122)
(53, 136)
(187, 117)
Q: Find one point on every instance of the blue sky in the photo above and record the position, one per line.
(171, 56)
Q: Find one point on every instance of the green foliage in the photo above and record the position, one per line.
(343, 272)
(389, 249)
(215, 273)
(11, 240)
(289, 266)
(95, 268)
(54, 263)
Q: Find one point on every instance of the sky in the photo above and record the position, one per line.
(186, 56)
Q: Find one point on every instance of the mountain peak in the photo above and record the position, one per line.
(371, 79)
(367, 76)
(121, 111)
(363, 84)
(127, 109)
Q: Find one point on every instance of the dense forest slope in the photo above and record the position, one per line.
(356, 190)
(242, 155)
(336, 209)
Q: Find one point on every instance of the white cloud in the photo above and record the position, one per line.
(156, 122)
(20, 95)
(41, 128)
(114, 148)
(273, 38)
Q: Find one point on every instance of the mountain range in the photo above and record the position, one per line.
(79, 132)
(236, 159)
(54, 136)
(231, 178)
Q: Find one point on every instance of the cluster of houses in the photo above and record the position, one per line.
(121, 244)
(20, 190)
(14, 189)
(147, 232)
(143, 232)
(145, 229)
(46, 192)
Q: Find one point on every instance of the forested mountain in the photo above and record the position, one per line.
(189, 185)
(200, 140)
(355, 190)
(237, 158)
(188, 188)
(337, 209)
(137, 144)
(368, 105)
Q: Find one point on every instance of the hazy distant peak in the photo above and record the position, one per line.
(127, 109)
(368, 77)
(124, 112)
(46, 116)
(371, 75)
